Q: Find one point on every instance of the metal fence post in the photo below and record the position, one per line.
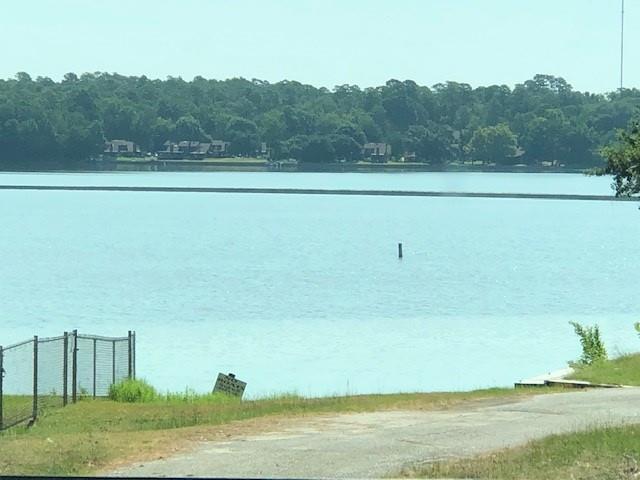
(74, 368)
(65, 370)
(130, 351)
(35, 377)
(1, 382)
(113, 362)
(134, 355)
(94, 367)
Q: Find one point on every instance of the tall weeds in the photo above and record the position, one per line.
(593, 349)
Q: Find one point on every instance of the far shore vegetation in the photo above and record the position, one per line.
(93, 435)
(541, 122)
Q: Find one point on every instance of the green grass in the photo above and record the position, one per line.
(213, 160)
(16, 402)
(132, 391)
(140, 391)
(624, 370)
(603, 454)
(94, 434)
(238, 160)
(16, 408)
(134, 159)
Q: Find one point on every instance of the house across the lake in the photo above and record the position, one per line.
(121, 148)
(263, 150)
(376, 152)
(219, 148)
(409, 157)
(193, 150)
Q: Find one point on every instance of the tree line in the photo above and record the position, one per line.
(541, 120)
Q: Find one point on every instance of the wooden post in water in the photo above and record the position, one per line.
(400, 250)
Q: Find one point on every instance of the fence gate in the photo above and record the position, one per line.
(51, 372)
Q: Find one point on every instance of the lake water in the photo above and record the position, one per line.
(306, 293)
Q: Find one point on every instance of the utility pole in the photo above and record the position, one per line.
(622, 48)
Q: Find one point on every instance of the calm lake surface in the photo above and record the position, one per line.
(306, 293)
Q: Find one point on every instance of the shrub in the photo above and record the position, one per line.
(132, 391)
(592, 345)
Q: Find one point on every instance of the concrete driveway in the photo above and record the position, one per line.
(368, 445)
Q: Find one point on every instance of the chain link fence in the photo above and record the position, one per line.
(51, 372)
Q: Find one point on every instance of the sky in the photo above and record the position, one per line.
(326, 42)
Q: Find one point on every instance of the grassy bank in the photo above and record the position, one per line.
(203, 161)
(94, 434)
(624, 370)
(604, 453)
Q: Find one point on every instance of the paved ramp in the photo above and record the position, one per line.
(367, 445)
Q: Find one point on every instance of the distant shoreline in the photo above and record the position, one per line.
(261, 165)
(258, 165)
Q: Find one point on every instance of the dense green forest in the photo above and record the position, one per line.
(540, 120)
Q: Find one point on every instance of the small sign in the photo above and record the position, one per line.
(230, 385)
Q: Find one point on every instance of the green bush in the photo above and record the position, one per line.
(593, 350)
(132, 391)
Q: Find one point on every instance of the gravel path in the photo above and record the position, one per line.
(368, 445)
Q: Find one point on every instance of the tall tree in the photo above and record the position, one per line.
(431, 143)
(493, 144)
(623, 160)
